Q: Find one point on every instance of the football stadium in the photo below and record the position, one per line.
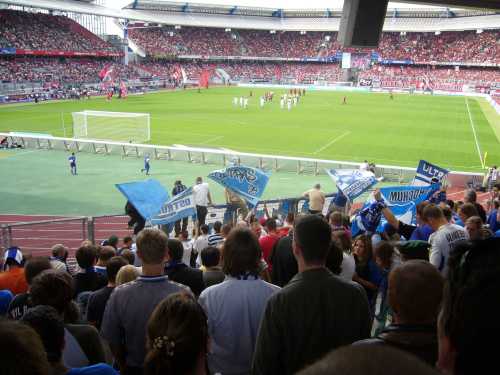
(173, 172)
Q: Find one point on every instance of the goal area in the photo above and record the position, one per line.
(114, 126)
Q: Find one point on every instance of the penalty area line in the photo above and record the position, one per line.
(331, 142)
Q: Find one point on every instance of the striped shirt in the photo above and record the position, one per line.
(215, 239)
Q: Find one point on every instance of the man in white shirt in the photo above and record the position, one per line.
(316, 199)
(201, 242)
(445, 237)
(202, 199)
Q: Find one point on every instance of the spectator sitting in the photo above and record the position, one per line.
(22, 350)
(238, 301)
(131, 304)
(201, 242)
(87, 279)
(212, 272)
(415, 293)
(127, 245)
(98, 299)
(21, 303)
(13, 277)
(177, 337)
(59, 256)
(129, 256)
(304, 320)
(180, 272)
(216, 238)
(83, 344)
(127, 274)
(104, 254)
(6, 298)
(50, 328)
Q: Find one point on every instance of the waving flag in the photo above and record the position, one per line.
(180, 206)
(427, 171)
(148, 197)
(249, 183)
(352, 182)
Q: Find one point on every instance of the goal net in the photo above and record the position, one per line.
(115, 126)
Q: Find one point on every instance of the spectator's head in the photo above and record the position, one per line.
(226, 229)
(317, 186)
(368, 359)
(13, 258)
(175, 250)
(34, 266)
(256, 228)
(470, 196)
(241, 254)
(334, 258)
(6, 298)
(127, 242)
(152, 246)
(177, 337)
(362, 248)
(210, 257)
(343, 240)
(217, 226)
(22, 350)
(336, 219)
(86, 256)
(383, 254)
(468, 322)
(467, 210)
(311, 241)
(53, 288)
(50, 327)
(113, 241)
(433, 216)
(104, 254)
(113, 266)
(271, 225)
(126, 274)
(128, 255)
(448, 214)
(290, 217)
(420, 209)
(204, 229)
(60, 252)
(415, 292)
(199, 180)
(473, 226)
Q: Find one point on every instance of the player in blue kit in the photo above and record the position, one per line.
(72, 163)
(146, 164)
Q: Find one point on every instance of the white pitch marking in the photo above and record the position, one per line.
(474, 132)
(332, 142)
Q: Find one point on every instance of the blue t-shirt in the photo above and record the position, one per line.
(422, 233)
(72, 159)
(99, 369)
(146, 162)
(492, 221)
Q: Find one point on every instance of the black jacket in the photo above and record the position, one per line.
(284, 263)
(315, 313)
(183, 274)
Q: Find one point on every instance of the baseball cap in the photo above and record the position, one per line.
(15, 254)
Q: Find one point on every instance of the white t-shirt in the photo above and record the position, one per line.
(442, 242)
(200, 192)
(348, 267)
(199, 244)
(188, 248)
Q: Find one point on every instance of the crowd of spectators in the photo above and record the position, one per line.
(40, 31)
(265, 295)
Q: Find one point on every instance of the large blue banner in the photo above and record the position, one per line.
(401, 200)
(177, 208)
(147, 196)
(427, 171)
(352, 182)
(249, 183)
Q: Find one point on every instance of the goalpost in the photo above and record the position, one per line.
(115, 126)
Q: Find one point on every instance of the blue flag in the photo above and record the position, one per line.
(352, 182)
(147, 196)
(249, 183)
(401, 200)
(426, 172)
(180, 206)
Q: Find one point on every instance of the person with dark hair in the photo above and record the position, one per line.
(22, 350)
(87, 280)
(131, 304)
(129, 256)
(268, 241)
(363, 360)
(465, 211)
(471, 197)
(468, 321)
(343, 241)
(236, 305)
(415, 293)
(127, 243)
(445, 237)
(83, 344)
(202, 199)
(50, 328)
(180, 272)
(476, 230)
(305, 320)
(21, 302)
(215, 239)
(284, 263)
(212, 272)
(12, 278)
(104, 254)
(179, 188)
(136, 220)
(177, 337)
(421, 231)
(98, 299)
(334, 259)
(367, 273)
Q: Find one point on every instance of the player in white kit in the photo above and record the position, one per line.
(282, 103)
(262, 101)
(241, 101)
(235, 101)
(289, 104)
(245, 103)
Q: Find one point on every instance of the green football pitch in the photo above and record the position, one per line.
(449, 131)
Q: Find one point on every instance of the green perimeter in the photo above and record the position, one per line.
(370, 126)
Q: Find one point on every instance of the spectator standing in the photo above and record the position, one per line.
(316, 199)
(212, 272)
(268, 241)
(126, 244)
(236, 203)
(12, 278)
(201, 242)
(304, 320)
(284, 263)
(471, 197)
(348, 266)
(236, 305)
(21, 303)
(216, 238)
(202, 199)
(87, 279)
(494, 216)
(131, 304)
(104, 254)
(98, 299)
(177, 189)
